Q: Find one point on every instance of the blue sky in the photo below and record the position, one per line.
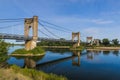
(97, 18)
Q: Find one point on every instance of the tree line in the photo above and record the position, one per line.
(107, 42)
(103, 42)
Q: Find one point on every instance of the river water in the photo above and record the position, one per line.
(86, 65)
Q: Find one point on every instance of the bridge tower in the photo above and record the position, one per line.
(89, 40)
(31, 23)
(77, 34)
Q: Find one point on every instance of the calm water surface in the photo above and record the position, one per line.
(88, 65)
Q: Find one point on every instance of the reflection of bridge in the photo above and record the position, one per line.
(74, 62)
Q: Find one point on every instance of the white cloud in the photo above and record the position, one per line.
(100, 21)
(91, 32)
(79, 20)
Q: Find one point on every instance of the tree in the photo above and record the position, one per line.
(105, 41)
(3, 47)
(3, 51)
(115, 41)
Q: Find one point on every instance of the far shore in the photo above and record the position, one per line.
(104, 48)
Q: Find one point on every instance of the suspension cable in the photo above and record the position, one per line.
(43, 33)
(55, 25)
(48, 30)
(12, 19)
(57, 29)
(10, 26)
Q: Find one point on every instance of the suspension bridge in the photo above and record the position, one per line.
(31, 28)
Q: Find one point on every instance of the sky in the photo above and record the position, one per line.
(97, 18)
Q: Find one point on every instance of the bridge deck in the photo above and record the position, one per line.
(21, 37)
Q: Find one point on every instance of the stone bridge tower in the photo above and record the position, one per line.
(30, 43)
(89, 40)
(78, 37)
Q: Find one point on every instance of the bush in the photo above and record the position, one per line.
(3, 47)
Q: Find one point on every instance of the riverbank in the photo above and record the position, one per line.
(104, 48)
(28, 54)
(17, 73)
(56, 47)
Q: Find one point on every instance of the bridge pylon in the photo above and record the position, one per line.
(31, 23)
(77, 34)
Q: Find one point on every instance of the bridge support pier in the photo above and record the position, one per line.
(31, 23)
(30, 44)
(78, 37)
(89, 40)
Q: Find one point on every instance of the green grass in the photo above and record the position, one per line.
(78, 48)
(14, 73)
(37, 50)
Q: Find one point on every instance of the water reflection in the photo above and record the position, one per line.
(60, 51)
(106, 52)
(33, 62)
(88, 65)
(29, 63)
(74, 62)
(116, 53)
(90, 55)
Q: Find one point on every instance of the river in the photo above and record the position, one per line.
(86, 65)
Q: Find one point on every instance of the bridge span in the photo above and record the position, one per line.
(21, 37)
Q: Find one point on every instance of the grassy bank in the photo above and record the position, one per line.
(79, 48)
(104, 48)
(16, 73)
(35, 51)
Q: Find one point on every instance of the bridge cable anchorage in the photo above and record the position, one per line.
(43, 33)
(48, 30)
(10, 26)
(55, 25)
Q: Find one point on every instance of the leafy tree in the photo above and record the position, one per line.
(3, 51)
(105, 41)
(115, 41)
(3, 47)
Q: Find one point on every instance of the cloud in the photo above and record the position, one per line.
(110, 13)
(92, 31)
(100, 21)
(79, 20)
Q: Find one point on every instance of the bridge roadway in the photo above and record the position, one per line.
(22, 38)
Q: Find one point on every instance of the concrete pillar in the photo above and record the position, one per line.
(98, 43)
(35, 28)
(72, 36)
(78, 37)
(89, 39)
(31, 23)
